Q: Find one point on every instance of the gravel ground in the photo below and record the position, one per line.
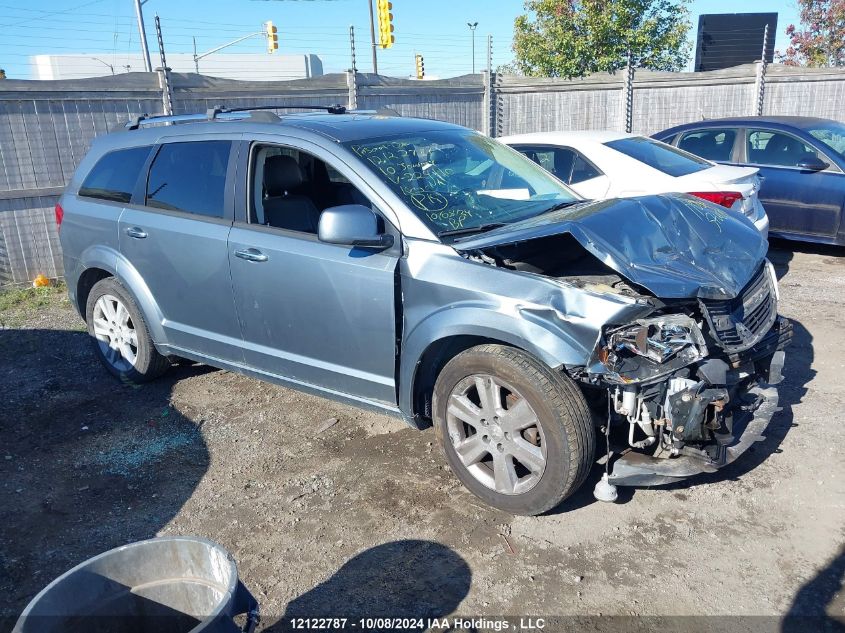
(334, 511)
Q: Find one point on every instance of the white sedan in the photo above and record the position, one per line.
(599, 164)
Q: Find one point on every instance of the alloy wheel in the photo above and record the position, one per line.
(115, 332)
(496, 434)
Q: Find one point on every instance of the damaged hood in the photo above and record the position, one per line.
(675, 246)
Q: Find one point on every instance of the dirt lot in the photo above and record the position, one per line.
(363, 516)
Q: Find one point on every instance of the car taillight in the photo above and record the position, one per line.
(723, 198)
(60, 214)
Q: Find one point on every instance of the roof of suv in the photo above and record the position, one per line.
(350, 126)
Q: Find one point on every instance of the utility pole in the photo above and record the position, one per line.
(472, 26)
(145, 51)
(373, 37)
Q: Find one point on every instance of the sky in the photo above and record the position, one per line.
(437, 29)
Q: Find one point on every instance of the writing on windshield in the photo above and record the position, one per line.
(459, 180)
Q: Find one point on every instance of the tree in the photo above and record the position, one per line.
(573, 38)
(821, 39)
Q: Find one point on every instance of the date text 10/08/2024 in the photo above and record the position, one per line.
(420, 624)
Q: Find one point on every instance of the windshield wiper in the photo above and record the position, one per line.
(471, 229)
(561, 205)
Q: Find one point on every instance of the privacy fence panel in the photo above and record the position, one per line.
(47, 126)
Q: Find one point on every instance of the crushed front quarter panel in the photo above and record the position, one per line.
(445, 294)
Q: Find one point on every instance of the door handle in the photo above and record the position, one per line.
(136, 232)
(251, 255)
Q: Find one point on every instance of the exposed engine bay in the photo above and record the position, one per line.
(683, 390)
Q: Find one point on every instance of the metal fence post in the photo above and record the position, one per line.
(760, 77)
(487, 102)
(352, 73)
(163, 73)
(628, 96)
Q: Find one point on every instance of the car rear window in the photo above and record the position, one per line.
(659, 156)
(115, 174)
(190, 176)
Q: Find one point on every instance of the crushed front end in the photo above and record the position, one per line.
(691, 387)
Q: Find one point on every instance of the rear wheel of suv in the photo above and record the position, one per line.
(517, 434)
(119, 335)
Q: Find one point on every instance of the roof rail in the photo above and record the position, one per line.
(223, 113)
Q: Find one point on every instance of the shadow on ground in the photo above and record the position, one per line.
(820, 604)
(410, 580)
(86, 463)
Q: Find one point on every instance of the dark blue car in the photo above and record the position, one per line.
(801, 162)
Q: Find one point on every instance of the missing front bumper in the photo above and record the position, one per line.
(636, 469)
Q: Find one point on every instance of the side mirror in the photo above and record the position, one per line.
(352, 225)
(811, 162)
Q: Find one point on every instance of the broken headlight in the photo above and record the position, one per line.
(675, 339)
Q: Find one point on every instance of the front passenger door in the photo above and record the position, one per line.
(313, 313)
(797, 201)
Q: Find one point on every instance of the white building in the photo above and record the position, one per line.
(244, 66)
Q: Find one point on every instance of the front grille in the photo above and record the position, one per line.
(740, 323)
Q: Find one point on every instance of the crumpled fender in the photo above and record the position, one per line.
(446, 295)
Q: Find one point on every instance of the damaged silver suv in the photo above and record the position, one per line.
(422, 269)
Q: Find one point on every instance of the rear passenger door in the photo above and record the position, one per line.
(314, 313)
(174, 236)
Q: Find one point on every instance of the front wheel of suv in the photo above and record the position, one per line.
(119, 335)
(516, 433)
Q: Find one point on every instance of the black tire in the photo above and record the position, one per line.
(568, 434)
(149, 364)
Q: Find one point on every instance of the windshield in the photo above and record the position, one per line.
(460, 181)
(659, 156)
(833, 135)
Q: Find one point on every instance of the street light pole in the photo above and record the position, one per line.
(145, 52)
(472, 26)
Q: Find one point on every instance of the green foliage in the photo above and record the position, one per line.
(573, 38)
(820, 41)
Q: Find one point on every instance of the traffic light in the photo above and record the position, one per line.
(385, 24)
(272, 36)
(420, 66)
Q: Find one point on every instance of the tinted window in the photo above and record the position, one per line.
(775, 148)
(715, 145)
(583, 170)
(189, 177)
(115, 174)
(658, 155)
(567, 164)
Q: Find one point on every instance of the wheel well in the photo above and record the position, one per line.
(432, 361)
(84, 285)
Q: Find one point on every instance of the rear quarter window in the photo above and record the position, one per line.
(115, 174)
(659, 156)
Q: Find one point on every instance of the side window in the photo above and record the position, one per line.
(582, 170)
(190, 176)
(115, 174)
(711, 144)
(766, 147)
(558, 160)
(290, 188)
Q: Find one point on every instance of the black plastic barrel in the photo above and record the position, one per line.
(173, 584)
